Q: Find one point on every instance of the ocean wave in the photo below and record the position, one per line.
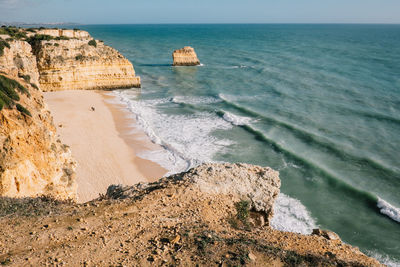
(389, 210)
(292, 216)
(186, 139)
(234, 119)
(384, 259)
(194, 145)
(318, 141)
(194, 100)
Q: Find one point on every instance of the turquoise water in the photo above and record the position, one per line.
(319, 103)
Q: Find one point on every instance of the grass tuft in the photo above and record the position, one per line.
(9, 95)
(92, 43)
(23, 110)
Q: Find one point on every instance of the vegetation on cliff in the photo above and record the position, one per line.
(3, 44)
(9, 95)
(92, 43)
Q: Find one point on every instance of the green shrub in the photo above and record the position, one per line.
(2, 45)
(61, 38)
(79, 57)
(92, 43)
(6, 101)
(31, 30)
(13, 32)
(75, 29)
(37, 38)
(35, 86)
(27, 78)
(242, 209)
(56, 44)
(8, 86)
(23, 110)
(8, 89)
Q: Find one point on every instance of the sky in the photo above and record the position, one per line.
(200, 11)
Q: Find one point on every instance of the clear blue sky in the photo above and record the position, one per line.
(201, 11)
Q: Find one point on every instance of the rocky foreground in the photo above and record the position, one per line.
(213, 215)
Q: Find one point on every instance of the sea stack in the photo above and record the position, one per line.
(185, 57)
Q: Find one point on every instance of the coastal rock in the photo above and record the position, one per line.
(259, 185)
(19, 60)
(75, 65)
(185, 57)
(33, 162)
(326, 234)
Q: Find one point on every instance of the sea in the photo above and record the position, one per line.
(318, 103)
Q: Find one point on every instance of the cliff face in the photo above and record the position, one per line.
(32, 160)
(75, 65)
(185, 57)
(212, 215)
(19, 60)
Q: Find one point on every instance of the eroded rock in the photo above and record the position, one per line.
(185, 57)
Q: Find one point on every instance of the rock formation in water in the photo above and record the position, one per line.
(212, 215)
(185, 57)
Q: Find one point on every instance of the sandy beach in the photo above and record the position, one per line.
(102, 141)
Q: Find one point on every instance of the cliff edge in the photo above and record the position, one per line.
(212, 215)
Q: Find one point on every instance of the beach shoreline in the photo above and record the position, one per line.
(103, 140)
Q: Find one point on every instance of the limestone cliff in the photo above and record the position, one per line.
(18, 60)
(185, 57)
(74, 64)
(212, 215)
(33, 161)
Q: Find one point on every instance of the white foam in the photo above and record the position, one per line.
(194, 100)
(187, 141)
(389, 210)
(235, 119)
(384, 259)
(292, 216)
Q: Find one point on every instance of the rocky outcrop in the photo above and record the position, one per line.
(185, 57)
(33, 161)
(75, 65)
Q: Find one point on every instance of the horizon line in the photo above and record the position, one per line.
(204, 23)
